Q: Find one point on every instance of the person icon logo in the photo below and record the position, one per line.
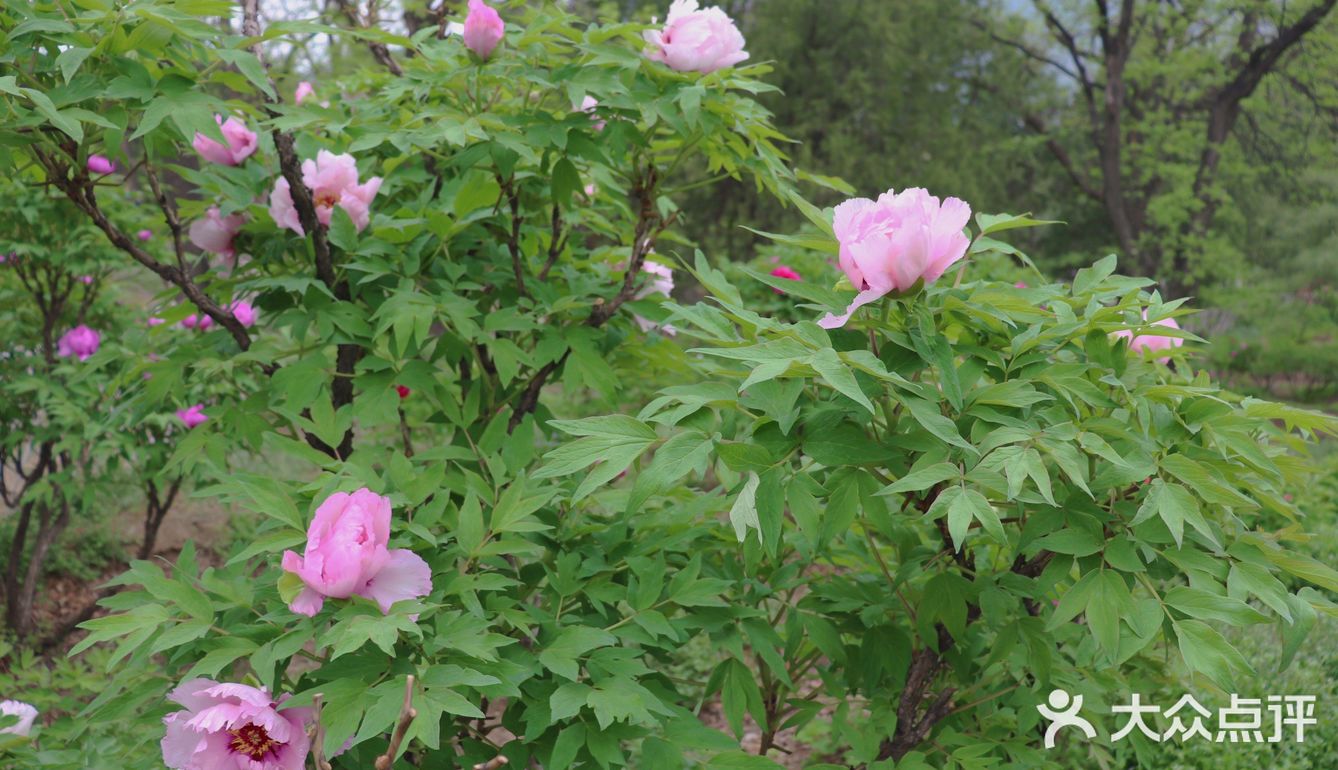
(1063, 712)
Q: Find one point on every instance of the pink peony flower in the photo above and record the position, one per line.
(192, 415)
(193, 321)
(99, 164)
(333, 181)
(696, 40)
(788, 273)
(25, 713)
(241, 143)
(483, 28)
(144, 235)
(214, 232)
(233, 727)
(1153, 342)
(346, 554)
(80, 341)
(889, 244)
(588, 105)
(244, 312)
(304, 89)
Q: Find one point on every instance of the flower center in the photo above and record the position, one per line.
(253, 741)
(327, 199)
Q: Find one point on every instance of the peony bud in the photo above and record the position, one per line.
(483, 29)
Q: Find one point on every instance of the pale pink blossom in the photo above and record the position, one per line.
(214, 232)
(661, 282)
(333, 181)
(588, 106)
(896, 241)
(233, 727)
(86, 280)
(26, 715)
(1152, 340)
(241, 142)
(696, 40)
(192, 415)
(80, 341)
(244, 312)
(304, 89)
(100, 164)
(347, 554)
(483, 29)
(156, 321)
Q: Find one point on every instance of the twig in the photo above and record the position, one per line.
(407, 714)
(492, 764)
(317, 734)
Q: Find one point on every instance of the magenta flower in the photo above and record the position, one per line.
(80, 341)
(144, 235)
(233, 727)
(192, 415)
(304, 89)
(26, 715)
(214, 232)
(1020, 285)
(696, 40)
(241, 142)
(100, 164)
(156, 321)
(788, 273)
(346, 554)
(333, 181)
(889, 244)
(244, 312)
(483, 29)
(1152, 341)
(86, 280)
(193, 321)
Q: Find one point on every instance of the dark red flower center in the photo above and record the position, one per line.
(327, 198)
(253, 741)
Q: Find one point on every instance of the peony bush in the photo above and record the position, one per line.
(411, 288)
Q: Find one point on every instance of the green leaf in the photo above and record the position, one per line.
(929, 417)
(1198, 603)
(923, 478)
(566, 181)
(1073, 541)
(1206, 651)
(826, 363)
(743, 513)
(70, 59)
(247, 64)
(997, 223)
(342, 231)
(560, 655)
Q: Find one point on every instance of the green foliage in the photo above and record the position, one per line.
(965, 458)
(914, 510)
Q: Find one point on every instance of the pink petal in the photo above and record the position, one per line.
(405, 576)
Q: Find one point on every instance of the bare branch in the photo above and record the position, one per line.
(407, 714)
(379, 50)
